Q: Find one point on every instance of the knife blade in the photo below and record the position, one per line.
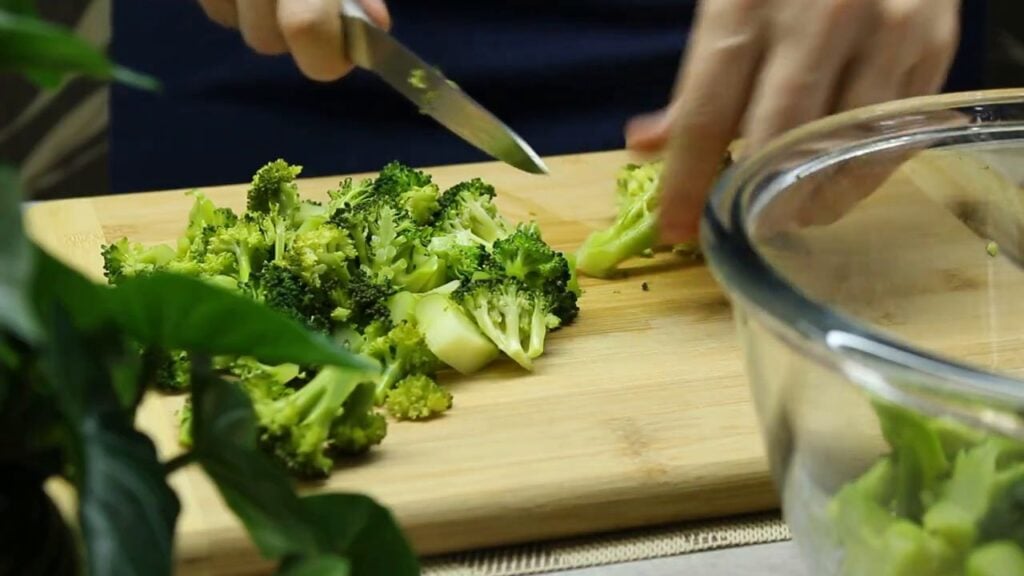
(373, 49)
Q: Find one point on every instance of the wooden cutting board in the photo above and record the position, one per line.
(638, 414)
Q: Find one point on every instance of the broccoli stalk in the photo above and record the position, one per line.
(243, 245)
(300, 428)
(358, 428)
(515, 318)
(525, 256)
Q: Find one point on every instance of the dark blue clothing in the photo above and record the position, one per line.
(564, 74)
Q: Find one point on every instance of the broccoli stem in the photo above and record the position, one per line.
(601, 253)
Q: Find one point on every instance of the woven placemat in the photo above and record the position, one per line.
(614, 548)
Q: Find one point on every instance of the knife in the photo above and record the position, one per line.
(373, 49)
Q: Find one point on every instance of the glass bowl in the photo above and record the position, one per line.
(874, 263)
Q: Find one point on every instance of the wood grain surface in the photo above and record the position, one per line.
(638, 414)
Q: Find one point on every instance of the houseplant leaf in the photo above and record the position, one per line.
(46, 52)
(252, 485)
(177, 312)
(16, 260)
(126, 510)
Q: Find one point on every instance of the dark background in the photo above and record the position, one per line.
(218, 119)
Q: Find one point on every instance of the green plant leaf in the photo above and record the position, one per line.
(177, 312)
(252, 485)
(23, 7)
(16, 261)
(126, 508)
(44, 51)
(361, 530)
(324, 565)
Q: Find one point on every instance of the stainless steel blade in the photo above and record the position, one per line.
(373, 49)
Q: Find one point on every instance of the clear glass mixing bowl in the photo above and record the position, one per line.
(874, 262)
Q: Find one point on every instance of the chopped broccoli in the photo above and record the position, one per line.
(241, 246)
(1000, 558)
(417, 397)
(123, 259)
(358, 428)
(350, 194)
(273, 189)
(321, 254)
(514, 317)
(284, 290)
(173, 371)
(634, 229)
(185, 423)
(468, 208)
(300, 427)
(369, 299)
(451, 334)
(462, 257)
(526, 256)
(401, 352)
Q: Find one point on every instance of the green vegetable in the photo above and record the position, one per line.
(417, 397)
(947, 500)
(452, 335)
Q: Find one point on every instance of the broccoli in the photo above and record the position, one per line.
(236, 250)
(401, 352)
(350, 194)
(321, 254)
(524, 255)
(468, 208)
(448, 330)
(635, 227)
(262, 381)
(203, 216)
(462, 259)
(1001, 558)
(369, 299)
(284, 290)
(123, 259)
(273, 189)
(417, 397)
(302, 428)
(515, 318)
(358, 428)
(173, 371)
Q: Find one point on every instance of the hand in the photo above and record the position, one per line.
(308, 29)
(756, 68)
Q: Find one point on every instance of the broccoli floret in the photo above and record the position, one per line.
(369, 299)
(462, 258)
(321, 254)
(634, 229)
(349, 194)
(203, 216)
(468, 208)
(417, 397)
(526, 256)
(396, 179)
(237, 251)
(273, 188)
(173, 370)
(301, 428)
(123, 259)
(358, 428)
(284, 290)
(515, 318)
(401, 352)
(424, 272)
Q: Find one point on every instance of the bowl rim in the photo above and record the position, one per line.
(746, 275)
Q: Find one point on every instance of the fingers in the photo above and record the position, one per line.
(310, 30)
(648, 133)
(313, 33)
(257, 21)
(222, 12)
(713, 91)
